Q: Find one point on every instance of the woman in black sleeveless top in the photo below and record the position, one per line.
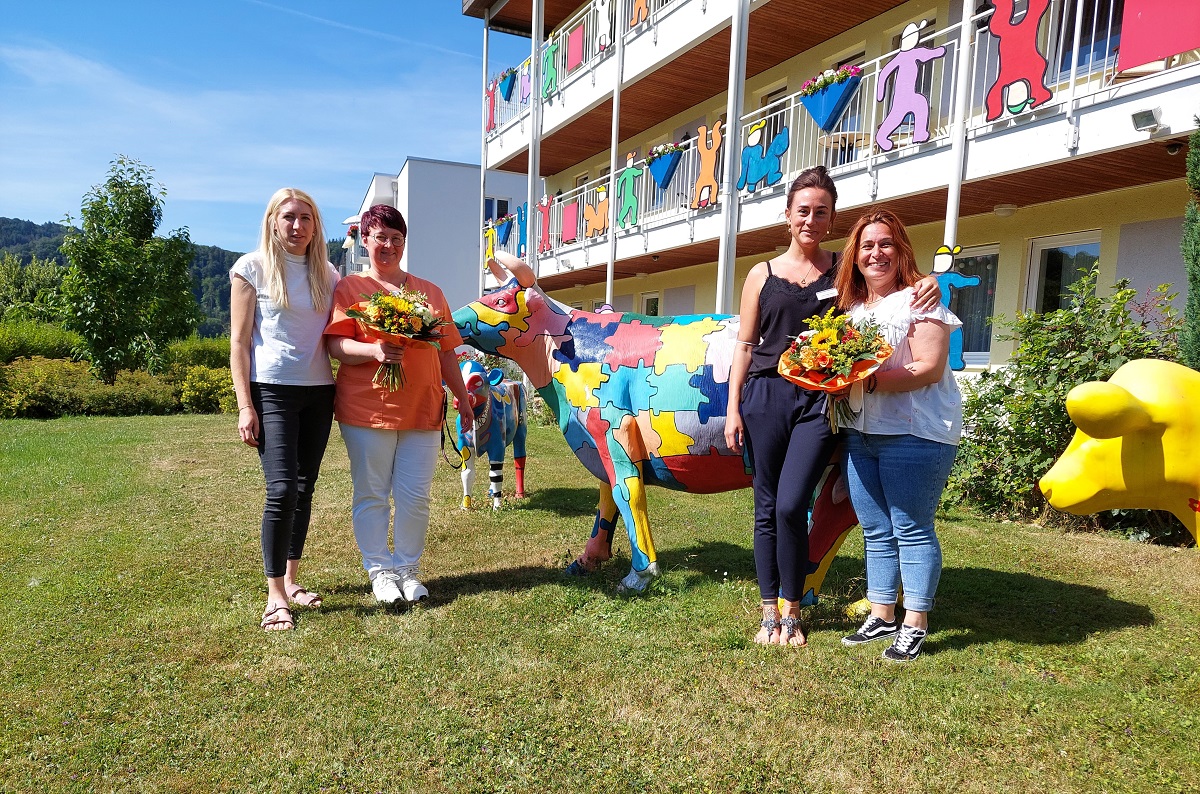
(783, 426)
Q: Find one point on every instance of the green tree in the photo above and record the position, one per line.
(1189, 335)
(127, 292)
(30, 291)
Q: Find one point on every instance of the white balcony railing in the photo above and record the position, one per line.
(853, 145)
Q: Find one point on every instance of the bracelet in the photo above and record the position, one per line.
(872, 382)
(244, 407)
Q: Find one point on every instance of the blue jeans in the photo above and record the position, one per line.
(895, 485)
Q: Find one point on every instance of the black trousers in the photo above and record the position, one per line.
(294, 423)
(787, 434)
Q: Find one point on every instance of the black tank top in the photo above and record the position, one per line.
(783, 306)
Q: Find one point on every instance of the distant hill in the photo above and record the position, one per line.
(210, 266)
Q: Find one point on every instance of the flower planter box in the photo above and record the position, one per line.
(663, 168)
(827, 105)
(507, 84)
(503, 230)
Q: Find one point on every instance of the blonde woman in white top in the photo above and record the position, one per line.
(280, 300)
(900, 447)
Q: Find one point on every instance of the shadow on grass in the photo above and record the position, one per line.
(985, 605)
(562, 501)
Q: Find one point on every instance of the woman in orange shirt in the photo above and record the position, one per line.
(391, 436)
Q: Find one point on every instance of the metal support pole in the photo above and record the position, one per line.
(614, 160)
(535, 135)
(483, 154)
(727, 258)
(958, 130)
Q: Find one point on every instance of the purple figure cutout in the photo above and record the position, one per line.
(905, 97)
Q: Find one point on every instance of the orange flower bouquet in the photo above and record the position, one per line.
(403, 318)
(835, 354)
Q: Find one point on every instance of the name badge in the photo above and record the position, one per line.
(827, 293)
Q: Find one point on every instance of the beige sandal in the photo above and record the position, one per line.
(273, 621)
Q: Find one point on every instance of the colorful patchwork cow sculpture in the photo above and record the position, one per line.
(498, 410)
(641, 401)
(1136, 444)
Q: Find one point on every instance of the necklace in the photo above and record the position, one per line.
(872, 301)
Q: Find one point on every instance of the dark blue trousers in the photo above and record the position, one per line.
(788, 437)
(294, 423)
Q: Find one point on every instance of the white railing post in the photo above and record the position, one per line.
(614, 142)
(958, 134)
(483, 157)
(727, 258)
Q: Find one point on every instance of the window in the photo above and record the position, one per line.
(973, 304)
(773, 111)
(650, 303)
(1054, 265)
(494, 207)
(1099, 34)
(842, 146)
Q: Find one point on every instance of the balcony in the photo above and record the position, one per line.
(1078, 139)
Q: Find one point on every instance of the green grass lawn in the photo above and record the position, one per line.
(132, 659)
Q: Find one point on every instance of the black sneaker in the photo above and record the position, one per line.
(873, 629)
(907, 645)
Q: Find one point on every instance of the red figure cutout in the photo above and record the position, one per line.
(491, 98)
(1020, 60)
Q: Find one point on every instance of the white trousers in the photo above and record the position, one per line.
(399, 464)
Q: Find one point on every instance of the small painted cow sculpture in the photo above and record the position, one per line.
(641, 401)
(1135, 446)
(498, 410)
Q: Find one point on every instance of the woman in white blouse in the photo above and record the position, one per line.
(280, 300)
(900, 447)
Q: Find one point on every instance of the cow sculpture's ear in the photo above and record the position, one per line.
(1105, 410)
(521, 271)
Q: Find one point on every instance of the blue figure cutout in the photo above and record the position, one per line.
(948, 279)
(759, 166)
(522, 224)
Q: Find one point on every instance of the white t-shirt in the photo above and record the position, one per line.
(933, 412)
(287, 345)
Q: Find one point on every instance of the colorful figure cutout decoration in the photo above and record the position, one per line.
(948, 279)
(497, 422)
(491, 105)
(543, 211)
(641, 12)
(627, 181)
(595, 217)
(604, 20)
(1135, 446)
(905, 69)
(641, 401)
(704, 192)
(761, 163)
(489, 240)
(526, 83)
(1022, 68)
(550, 68)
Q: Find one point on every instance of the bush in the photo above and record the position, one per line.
(1015, 420)
(198, 351)
(208, 390)
(41, 388)
(29, 338)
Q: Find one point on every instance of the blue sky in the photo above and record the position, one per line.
(229, 100)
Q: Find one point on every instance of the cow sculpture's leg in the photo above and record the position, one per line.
(518, 444)
(468, 475)
(630, 496)
(599, 545)
(496, 481)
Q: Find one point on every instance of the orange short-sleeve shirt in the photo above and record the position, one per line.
(417, 405)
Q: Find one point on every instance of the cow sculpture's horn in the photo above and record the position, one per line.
(521, 271)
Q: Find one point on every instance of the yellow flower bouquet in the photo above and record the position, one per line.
(835, 354)
(403, 317)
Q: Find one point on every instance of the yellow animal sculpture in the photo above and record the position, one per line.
(1136, 444)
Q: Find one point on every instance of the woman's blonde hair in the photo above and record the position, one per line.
(270, 246)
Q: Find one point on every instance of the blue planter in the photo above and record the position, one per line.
(503, 230)
(507, 85)
(827, 105)
(663, 168)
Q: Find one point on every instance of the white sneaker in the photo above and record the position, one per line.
(413, 590)
(386, 587)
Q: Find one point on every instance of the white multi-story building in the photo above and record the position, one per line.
(439, 201)
(1039, 135)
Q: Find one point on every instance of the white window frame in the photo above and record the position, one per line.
(980, 358)
(645, 296)
(1037, 246)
